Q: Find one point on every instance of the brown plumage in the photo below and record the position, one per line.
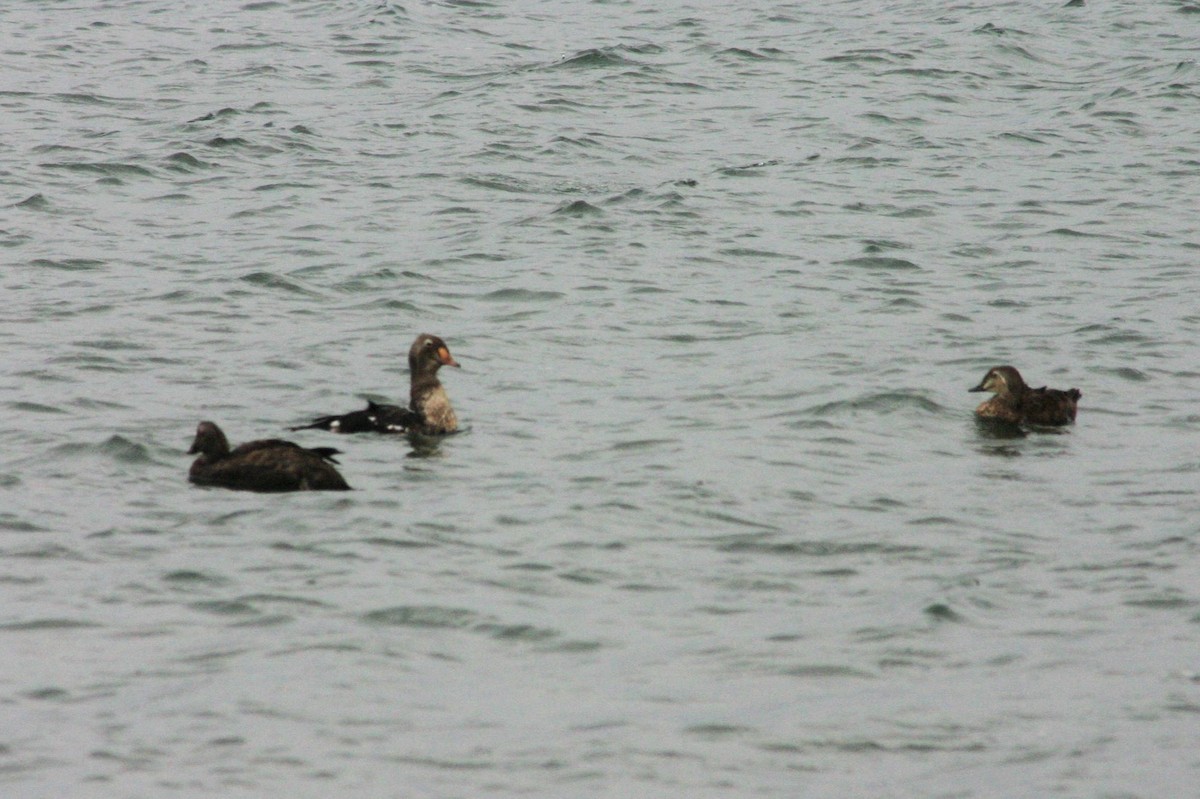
(1017, 403)
(266, 465)
(428, 411)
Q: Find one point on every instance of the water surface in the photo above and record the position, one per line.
(721, 523)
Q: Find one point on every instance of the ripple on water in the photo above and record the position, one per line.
(69, 264)
(720, 271)
(35, 407)
(272, 280)
(449, 618)
(115, 447)
(810, 548)
(113, 171)
(17, 524)
(34, 202)
(884, 402)
(43, 625)
(512, 295)
(881, 264)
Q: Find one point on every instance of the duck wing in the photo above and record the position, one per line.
(1050, 406)
(324, 453)
(375, 418)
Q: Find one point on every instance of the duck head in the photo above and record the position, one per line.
(428, 354)
(209, 441)
(1001, 380)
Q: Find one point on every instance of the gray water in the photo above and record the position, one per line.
(719, 276)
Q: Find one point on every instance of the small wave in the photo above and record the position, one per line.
(744, 54)
(68, 264)
(274, 281)
(497, 183)
(750, 252)
(14, 524)
(184, 162)
(926, 72)
(116, 447)
(224, 141)
(551, 104)
(447, 618)
(36, 625)
(122, 449)
(868, 56)
(111, 170)
(743, 169)
(34, 202)
(508, 295)
(878, 262)
(578, 208)
(224, 607)
(35, 407)
(1128, 373)
(942, 612)
(433, 616)
(816, 549)
(993, 30)
(219, 114)
(1072, 233)
(84, 99)
(821, 670)
(642, 443)
(884, 402)
(593, 57)
(186, 576)
(516, 632)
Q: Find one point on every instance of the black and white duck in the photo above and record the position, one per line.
(428, 412)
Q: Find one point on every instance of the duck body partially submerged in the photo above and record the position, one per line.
(1016, 403)
(429, 412)
(267, 465)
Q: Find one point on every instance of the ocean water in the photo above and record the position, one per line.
(721, 523)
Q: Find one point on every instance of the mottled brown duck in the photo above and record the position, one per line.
(1016, 403)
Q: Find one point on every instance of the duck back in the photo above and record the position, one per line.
(1050, 406)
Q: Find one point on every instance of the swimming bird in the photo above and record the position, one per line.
(1017, 403)
(266, 465)
(428, 411)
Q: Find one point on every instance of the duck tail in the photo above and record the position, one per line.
(327, 453)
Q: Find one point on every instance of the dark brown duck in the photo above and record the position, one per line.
(267, 465)
(428, 411)
(1017, 403)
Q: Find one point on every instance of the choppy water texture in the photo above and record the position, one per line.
(719, 277)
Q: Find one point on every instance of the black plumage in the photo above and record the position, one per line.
(265, 465)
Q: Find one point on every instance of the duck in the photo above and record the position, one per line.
(428, 413)
(1017, 403)
(267, 465)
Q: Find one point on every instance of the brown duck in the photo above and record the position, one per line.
(1017, 403)
(266, 465)
(428, 411)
